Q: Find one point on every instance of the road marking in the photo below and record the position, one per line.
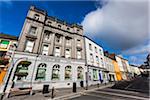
(122, 95)
(99, 96)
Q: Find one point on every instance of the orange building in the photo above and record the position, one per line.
(6, 45)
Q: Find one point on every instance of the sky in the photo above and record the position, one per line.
(119, 26)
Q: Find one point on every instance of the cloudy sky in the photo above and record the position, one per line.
(120, 26)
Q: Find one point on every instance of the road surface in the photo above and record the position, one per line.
(111, 94)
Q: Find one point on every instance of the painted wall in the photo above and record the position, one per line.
(117, 71)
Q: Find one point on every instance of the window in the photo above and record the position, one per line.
(90, 46)
(68, 28)
(67, 53)
(57, 51)
(36, 17)
(79, 54)
(49, 22)
(80, 73)
(41, 72)
(100, 51)
(96, 49)
(68, 72)
(59, 26)
(29, 46)
(4, 44)
(32, 30)
(22, 70)
(68, 41)
(78, 42)
(97, 59)
(45, 49)
(95, 74)
(58, 38)
(91, 57)
(55, 72)
(47, 36)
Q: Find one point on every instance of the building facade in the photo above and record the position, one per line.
(110, 67)
(7, 43)
(50, 52)
(124, 67)
(95, 62)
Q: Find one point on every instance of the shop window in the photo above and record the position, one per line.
(80, 73)
(41, 72)
(55, 72)
(68, 72)
(22, 70)
(95, 74)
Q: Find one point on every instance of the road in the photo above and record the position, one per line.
(111, 94)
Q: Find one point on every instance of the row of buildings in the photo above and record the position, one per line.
(52, 52)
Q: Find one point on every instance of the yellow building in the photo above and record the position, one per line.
(6, 45)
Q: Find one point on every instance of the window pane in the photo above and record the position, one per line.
(32, 30)
(68, 72)
(55, 72)
(45, 50)
(29, 46)
(80, 73)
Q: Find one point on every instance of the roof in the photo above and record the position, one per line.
(93, 41)
(7, 36)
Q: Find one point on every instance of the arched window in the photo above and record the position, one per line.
(68, 72)
(22, 70)
(41, 72)
(55, 72)
(80, 73)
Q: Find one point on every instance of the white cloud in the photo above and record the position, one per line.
(122, 24)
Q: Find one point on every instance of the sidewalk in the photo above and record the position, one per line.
(60, 94)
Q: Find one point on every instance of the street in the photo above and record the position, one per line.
(111, 94)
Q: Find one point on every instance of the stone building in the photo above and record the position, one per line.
(50, 52)
(95, 62)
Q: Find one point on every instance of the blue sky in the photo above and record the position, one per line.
(114, 25)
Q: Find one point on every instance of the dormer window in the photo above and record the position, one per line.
(36, 17)
(59, 26)
(49, 22)
(68, 28)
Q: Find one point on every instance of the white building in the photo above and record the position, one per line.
(135, 70)
(95, 62)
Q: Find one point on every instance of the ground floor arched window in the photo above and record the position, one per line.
(80, 73)
(55, 72)
(41, 72)
(22, 70)
(68, 72)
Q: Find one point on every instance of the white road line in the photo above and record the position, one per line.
(100, 96)
(122, 95)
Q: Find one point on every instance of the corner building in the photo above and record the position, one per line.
(97, 72)
(50, 52)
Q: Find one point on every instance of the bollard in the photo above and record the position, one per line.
(53, 92)
(74, 87)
